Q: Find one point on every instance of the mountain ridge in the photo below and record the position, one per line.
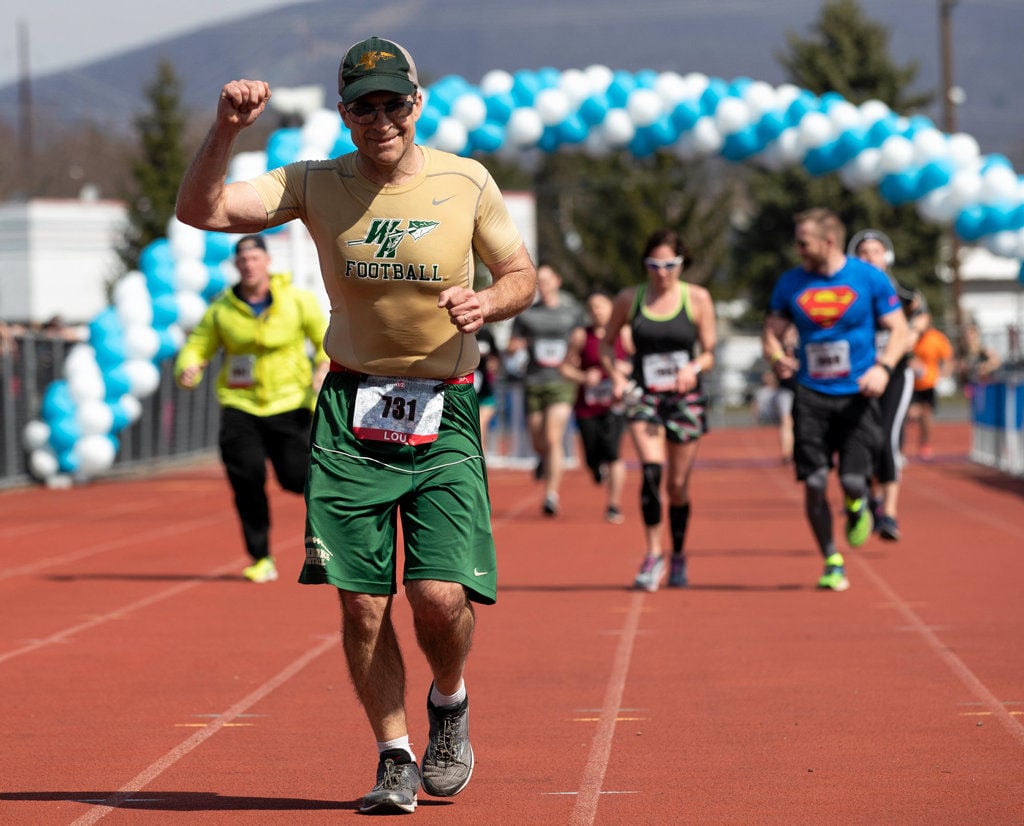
(301, 44)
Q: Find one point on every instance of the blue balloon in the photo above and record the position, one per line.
(739, 85)
(165, 311)
(642, 145)
(968, 224)
(283, 146)
(573, 130)
(645, 79)
(67, 461)
(215, 284)
(900, 187)
(549, 139)
(741, 145)
(1020, 275)
(934, 174)
(771, 125)
(685, 115)
(1017, 217)
(618, 91)
(64, 432)
(823, 159)
(110, 350)
(343, 145)
(116, 382)
(487, 137)
(121, 419)
(167, 347)
(427, 125)
(663, 132)
(525, 86)
(801, 106)
(57, 401)
(716, 90)
(881, 130)
(994, 160)
(218, 247)
(499, 108)
(593, 110)
(549, 77)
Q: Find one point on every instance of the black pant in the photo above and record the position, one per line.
(246, 442)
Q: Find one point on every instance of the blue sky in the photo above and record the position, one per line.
(63, 34)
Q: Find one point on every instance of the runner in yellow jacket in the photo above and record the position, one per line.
(267, 386)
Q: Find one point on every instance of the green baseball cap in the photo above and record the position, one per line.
(376, 65)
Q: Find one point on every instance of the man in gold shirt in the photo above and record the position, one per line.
(396, 431)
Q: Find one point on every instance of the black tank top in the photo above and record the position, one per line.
(653, 335)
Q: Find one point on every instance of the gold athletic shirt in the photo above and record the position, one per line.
(387, 252)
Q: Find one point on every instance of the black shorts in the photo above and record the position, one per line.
(823, 426)
(601, 436)
(926, 396)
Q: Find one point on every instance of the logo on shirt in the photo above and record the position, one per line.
(388, 233)
(826, 305)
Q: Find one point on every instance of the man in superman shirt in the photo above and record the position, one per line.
(836, 304)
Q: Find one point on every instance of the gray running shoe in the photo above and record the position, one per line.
(677, 572)
(448, 762)
(398, 779)
(649, 576)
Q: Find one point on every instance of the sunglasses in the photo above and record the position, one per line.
(655, 264)
(364, 114)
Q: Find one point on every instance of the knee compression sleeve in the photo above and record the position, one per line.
(650, 494)
(853, 485)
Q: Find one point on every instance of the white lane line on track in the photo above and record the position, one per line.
(585, 810)
(148, 775)
(942, 651)
(178, 528)
(118, 613)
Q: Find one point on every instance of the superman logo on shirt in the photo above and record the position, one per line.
(826, 305)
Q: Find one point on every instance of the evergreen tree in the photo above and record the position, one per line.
(160, 167)
(848, 54)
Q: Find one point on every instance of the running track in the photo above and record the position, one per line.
(144, 682)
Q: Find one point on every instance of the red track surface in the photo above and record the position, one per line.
(144, 681)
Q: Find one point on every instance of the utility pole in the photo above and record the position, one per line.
(25, 149)
(951, 96)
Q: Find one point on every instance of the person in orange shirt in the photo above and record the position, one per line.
(933, 359)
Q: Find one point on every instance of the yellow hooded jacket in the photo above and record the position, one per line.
(271, 349)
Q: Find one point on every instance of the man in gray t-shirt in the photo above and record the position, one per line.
(542, 331)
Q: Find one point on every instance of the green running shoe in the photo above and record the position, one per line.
(859, 523)
(834, 578)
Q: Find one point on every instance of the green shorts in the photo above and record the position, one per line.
(541, 396)
(357, 489)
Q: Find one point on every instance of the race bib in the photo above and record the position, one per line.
(550, 352)
(241, 371)
(828, 359)
(600, 395)
(403, 411)
(660, 370)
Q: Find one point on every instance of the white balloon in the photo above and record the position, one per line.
(684, 147)
(732, 115)
(35, 435)
(95, 455)
(85, 385)
(771, 157)
(844, 115)
(80, 357)
(497, 82)
(190, 274)
(320, 130)
(964, 150)
(1002, 243)
(617, 127)
(998, 184)
(815, 130)
(929, 145)
(576, 86)
(177, 335)
(866, 167)
(246, 165)
(696, 84)
(938, 206)
(43, 463)
(524, 127)
(706, 138)
(761, 98)
(872, 111)
(191, 308)
(788, 146)
(143, 377)
(132, 407)
(671, 88)
(599, 77)
(644, 106)
(552, 105)
(185, 241)
(595, 145)
(786, 94)
(94, 417)
(132, 300)
(141, 341)
(470, 110)
(450, 136)
(897, 154)
(964, 188)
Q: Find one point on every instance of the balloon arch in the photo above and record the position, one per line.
(594, 111)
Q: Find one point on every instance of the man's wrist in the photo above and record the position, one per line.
(884, 366)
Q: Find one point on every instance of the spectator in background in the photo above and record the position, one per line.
(932, 361)
(266, 387)
(542, 331)
(485, 378)
(599, 419)
(977, 361)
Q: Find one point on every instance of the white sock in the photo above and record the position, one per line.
(398, 743)
(437, 699)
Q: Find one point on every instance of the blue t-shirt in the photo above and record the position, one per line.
(836, 317)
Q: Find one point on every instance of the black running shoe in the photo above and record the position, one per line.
(448, 762)
(398, 780)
